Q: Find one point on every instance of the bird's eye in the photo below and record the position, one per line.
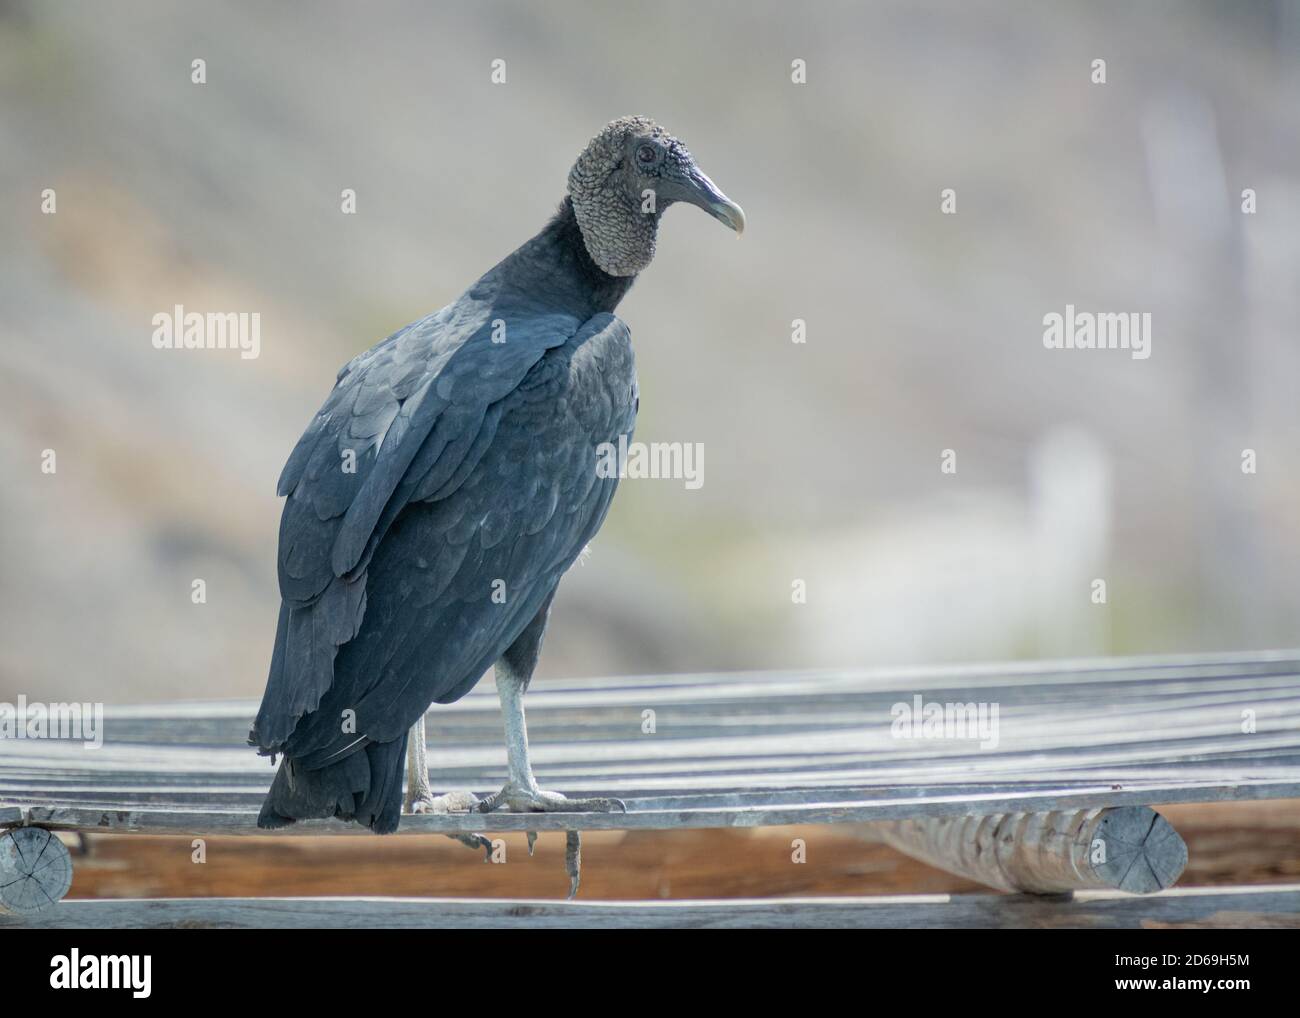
(647, 154)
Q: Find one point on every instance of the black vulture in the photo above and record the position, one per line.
(444, 488)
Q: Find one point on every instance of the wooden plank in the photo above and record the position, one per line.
(1095, 709)
(1185, 738)
(763, 715)
(838, 728)
(815, 811)
(165, 793)
(1219, 908)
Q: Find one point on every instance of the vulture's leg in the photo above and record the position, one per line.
(514, 671)
(420, 797)
(418, 792)
(521, 792)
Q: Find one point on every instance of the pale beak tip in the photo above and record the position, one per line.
(731, 214)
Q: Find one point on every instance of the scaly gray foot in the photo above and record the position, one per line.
(536, 800)
(453, 802)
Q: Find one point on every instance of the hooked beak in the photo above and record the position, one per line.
(695, 187)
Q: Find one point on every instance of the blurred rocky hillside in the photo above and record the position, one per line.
(822, 464)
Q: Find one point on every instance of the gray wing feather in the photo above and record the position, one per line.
(367, 451)
(522, 502)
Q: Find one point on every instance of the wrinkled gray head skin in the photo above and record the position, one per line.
(620, 186)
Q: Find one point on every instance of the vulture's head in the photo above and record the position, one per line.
(620, 186)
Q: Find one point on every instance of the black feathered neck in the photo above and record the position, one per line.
(556, 264)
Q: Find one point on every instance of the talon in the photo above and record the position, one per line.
(453, 802)
(531, 799)
(475, 841)
(573, 861)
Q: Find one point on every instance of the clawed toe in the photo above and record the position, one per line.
(573, 861)
(535, 800)
(475, 841)
(453, 802)
(531, 799)
(596, 805)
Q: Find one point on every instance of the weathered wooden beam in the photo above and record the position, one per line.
(801, 806)
(1227, 844)
(1125, 848)
(1222, 907)
(35, 870)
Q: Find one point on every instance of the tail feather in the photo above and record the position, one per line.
(307, 640)
(365, 787)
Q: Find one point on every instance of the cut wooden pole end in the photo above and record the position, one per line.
(35, 870)
(1143, 852)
